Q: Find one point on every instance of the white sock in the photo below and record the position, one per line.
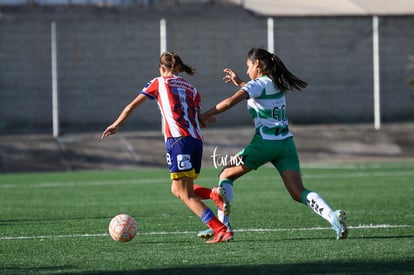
(319, 206)
(223, 218)
(227, 185)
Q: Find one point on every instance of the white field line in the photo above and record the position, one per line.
(80, 184)
(166, 180)
(257, 230)
(358, 166)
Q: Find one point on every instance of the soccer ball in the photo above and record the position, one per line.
(122, 228)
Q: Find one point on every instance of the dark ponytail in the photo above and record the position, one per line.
(273, 66)
(172, 61)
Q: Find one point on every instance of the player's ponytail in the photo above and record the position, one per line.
(272, 66)
(173, 61)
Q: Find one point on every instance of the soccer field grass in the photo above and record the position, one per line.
(58, 223)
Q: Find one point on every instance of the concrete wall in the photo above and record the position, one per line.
(106, 56)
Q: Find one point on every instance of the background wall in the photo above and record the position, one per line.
(106, 56)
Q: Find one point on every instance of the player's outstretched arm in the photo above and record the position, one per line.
(128, 110)
(224, 105)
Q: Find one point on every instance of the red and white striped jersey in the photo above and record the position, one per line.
(179, 103)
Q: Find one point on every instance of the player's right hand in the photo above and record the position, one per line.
(231, 76)
(109, 131)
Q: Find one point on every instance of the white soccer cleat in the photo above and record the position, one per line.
(218, 195)
(339, 225)
(206, 234)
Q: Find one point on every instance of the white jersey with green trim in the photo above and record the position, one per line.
(267, 106)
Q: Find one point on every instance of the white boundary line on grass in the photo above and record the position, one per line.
(259, 230)
(163, 180)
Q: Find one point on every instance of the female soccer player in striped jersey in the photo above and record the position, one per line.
(179, 103)
(273, 142)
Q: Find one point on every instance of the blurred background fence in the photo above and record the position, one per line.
(108, 50)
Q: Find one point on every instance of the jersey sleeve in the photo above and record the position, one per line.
(151, 89)
(253, 88)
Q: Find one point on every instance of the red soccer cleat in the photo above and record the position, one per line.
(222, 236)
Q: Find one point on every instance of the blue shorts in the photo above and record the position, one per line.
(184, 155)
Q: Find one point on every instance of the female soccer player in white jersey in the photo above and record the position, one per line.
(273, 142)
(179, 103)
